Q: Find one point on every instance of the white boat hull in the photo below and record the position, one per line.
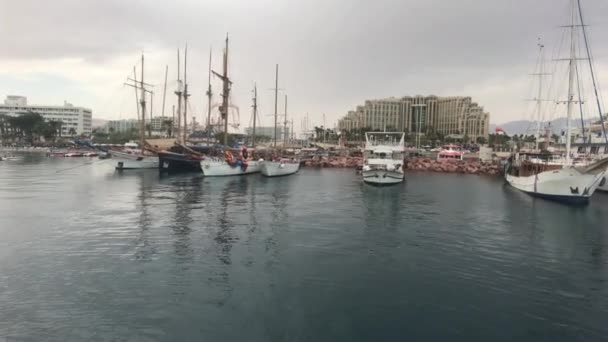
(275, 169)
(603, 184)
(566, 184)
(219, 168)
(126, 161)
(383, 177)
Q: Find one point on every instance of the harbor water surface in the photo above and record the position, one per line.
(89, 254)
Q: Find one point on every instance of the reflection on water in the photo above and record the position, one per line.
(91, 254)
(188, 195)
(382, 205)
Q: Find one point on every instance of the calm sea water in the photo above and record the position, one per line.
(88, 254)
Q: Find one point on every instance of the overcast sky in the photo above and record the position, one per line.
(333, 54)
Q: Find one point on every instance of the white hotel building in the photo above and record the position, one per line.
(78, 118)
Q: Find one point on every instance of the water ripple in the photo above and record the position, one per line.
(90, 254)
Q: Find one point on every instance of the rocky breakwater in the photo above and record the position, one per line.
(336, 162)
(474, 167)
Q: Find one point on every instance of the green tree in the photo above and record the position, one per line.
(55, 127)
(72, 132)
(25, 124)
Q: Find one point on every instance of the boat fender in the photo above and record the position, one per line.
(603, 181)
(229, 158)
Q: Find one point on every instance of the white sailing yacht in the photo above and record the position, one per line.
(280, 166)
(603, 185)
(231, 165)
(137, 158)
(383, 158)
(562, 181)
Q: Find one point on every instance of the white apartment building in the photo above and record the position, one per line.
(78, 118)
(121, 126)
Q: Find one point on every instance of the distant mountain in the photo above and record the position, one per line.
(528, 127)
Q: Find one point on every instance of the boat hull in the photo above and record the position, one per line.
(277, 169)
(177, 163)
(564, 185)
(603, 184)
(215, 168)
(383, 177)
(126, 161)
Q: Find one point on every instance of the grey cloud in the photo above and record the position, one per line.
(333, 53)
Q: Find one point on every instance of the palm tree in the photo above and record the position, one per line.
(318, 132)
(56, 127)
(167, 126)
(72, 132)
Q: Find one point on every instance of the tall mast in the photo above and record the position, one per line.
(151, 113)
(285, 124)
(178, 92)
(136, 94)
(173, 123)
(276, 93)
(165, 92)
(539, 100)
(142, 127)
(225, 93)
(571, 71)
(185, 95)
(255, 112)
(209, 97)
(591, 69)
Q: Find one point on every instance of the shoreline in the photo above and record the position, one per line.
(466, 166)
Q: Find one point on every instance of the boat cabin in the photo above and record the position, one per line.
(450, 152)
(529, 164)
